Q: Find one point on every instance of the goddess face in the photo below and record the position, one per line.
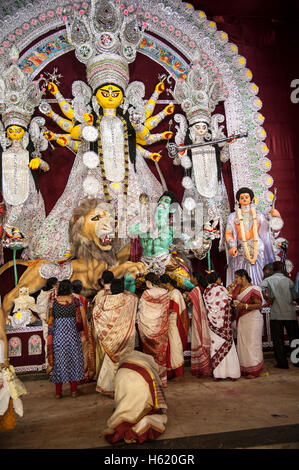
(15, 132)
(109, 97)
(244, 199)
(200, 129)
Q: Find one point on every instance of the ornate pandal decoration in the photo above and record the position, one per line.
(102, 166)
(255, 235)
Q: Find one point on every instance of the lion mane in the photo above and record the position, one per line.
(82, 247)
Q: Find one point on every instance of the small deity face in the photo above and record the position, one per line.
(244, 199)
(200, 129)
(109, 97)
(15, 132)
(24, 291)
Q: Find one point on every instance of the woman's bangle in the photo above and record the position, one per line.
(246, 306)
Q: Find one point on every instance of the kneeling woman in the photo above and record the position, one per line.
(248, 301)
(64, 341)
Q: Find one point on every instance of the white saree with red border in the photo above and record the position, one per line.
(200, 336)
(177, 334)
(250, 333)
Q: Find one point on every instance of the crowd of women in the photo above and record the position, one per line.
(86, 339)
(130, 343)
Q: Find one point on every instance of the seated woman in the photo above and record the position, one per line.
(224, 359)
(140, 408)
(65, 354)
(248, 301)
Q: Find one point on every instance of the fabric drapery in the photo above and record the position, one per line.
(200, 337)
(177, 334)
(140, 407)
(114, 323)
(153, 324)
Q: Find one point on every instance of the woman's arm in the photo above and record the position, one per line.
(257, 305)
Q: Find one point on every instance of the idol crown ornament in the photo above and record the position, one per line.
(18, 96)
(199, 94)
(106, 41)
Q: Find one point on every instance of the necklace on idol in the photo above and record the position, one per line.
(253, 259)
(102, 166)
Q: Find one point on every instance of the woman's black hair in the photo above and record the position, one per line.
(107, 278)
(50, 283)
(131, 130)
(65, 287)
(153, 278)
(117, 286)
(166, 279)
(243, 272)
(201, 279)
(77, 286)
(212, 277)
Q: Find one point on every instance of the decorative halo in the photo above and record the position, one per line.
(90, 159)
(90, 133)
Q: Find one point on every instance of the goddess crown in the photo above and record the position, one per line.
(198, 94)
(106, 42)
(18, 96)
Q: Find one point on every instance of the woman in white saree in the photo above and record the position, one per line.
(248, 301)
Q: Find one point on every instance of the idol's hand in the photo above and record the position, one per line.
(34, 163)
(155, 157)
(233, 252)
(49, 135)
(169, 109)
(167, 135)
(88, 118)
(274, 213)
(160, 87)
(52, 88)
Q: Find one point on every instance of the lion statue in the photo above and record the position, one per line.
(95, 247)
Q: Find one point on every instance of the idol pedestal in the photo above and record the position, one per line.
(26, 348)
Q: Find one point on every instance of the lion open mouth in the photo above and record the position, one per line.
(106, 240)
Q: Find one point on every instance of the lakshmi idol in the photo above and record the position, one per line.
(248, 239)
(21, 143)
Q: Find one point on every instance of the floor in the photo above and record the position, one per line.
(204, 414)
